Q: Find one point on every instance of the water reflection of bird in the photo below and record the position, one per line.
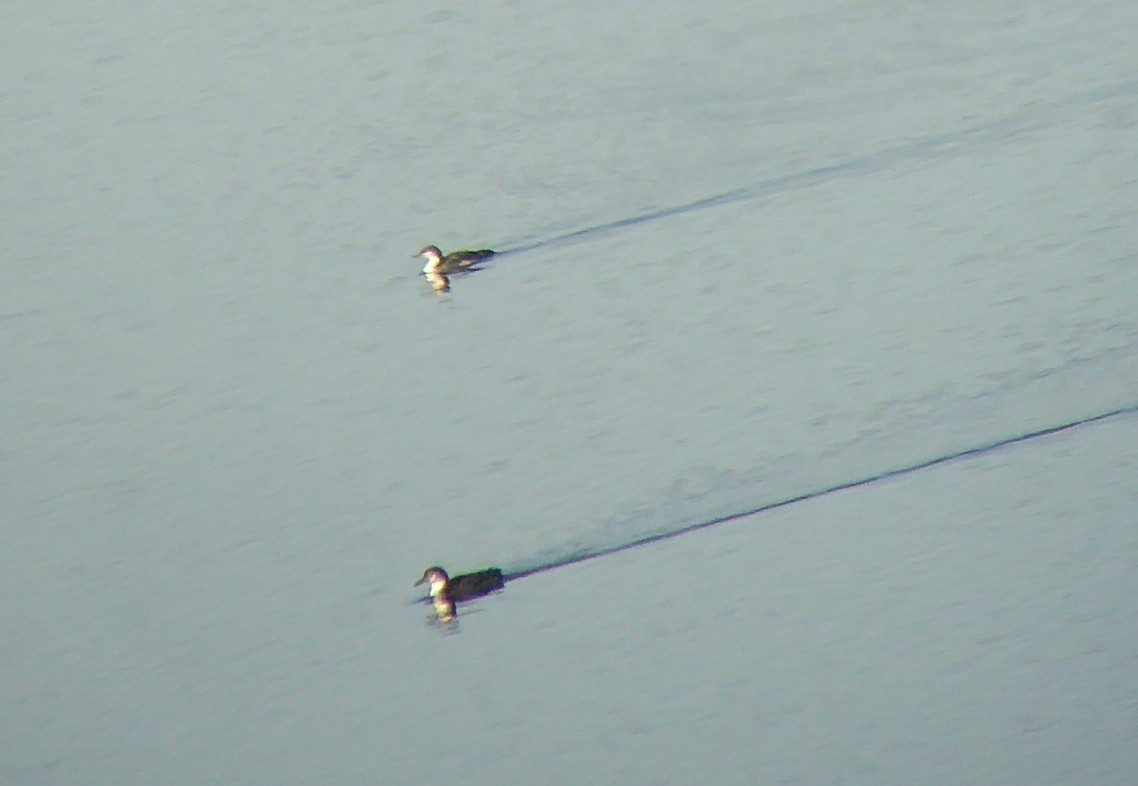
(438, 282)
(447, 591)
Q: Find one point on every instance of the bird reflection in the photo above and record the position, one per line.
(447, 592)
(439, 282)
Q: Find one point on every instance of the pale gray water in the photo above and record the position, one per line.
(237, 426)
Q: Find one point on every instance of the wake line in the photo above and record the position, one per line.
(968, 453)
(937, 146)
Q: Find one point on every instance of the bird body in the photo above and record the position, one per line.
(454, 262)
(446, 592)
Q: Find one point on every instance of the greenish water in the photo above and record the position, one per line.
(237, 425)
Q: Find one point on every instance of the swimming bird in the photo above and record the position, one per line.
(454, 262)
(447, 591)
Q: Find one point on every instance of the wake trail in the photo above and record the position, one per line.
(961, 141)
(584, 554)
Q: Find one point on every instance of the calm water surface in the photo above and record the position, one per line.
(237, 425)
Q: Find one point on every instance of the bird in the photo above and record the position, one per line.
(454, 262)
(446, 591)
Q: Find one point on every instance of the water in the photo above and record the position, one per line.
(815, 243)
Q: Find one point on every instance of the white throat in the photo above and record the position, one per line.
(437, 587)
